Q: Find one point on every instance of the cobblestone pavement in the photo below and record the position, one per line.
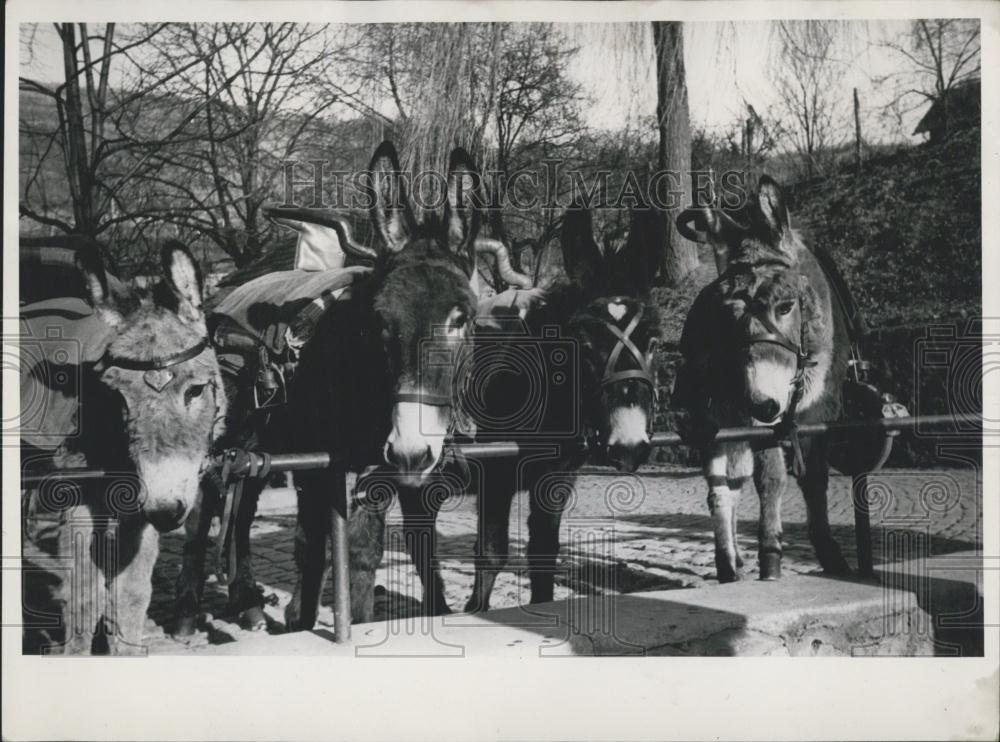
(620, 533)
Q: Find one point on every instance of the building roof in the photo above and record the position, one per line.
(963, 104)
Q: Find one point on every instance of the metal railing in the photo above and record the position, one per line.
(244, 463)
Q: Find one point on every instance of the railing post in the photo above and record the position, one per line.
(339, 555)
(862, 525)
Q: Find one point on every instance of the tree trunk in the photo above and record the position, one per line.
(679, 256)
(857, 131)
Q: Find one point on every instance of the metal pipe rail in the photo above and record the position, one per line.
(242, 463)
(279, 462)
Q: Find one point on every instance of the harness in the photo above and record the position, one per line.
(156, 363)
(624, 343)
(624, 348)
(772, 335)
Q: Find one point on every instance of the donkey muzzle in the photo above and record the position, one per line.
(416, 443)
(628, 458)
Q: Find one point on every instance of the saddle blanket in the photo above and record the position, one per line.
(57, 339)
(266, 307)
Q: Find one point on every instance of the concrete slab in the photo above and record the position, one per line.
(949, 590)
(798, 615)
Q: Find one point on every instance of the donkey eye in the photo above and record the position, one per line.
(193, 392)
(784, 308)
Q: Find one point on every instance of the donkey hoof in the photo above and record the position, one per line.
(185, 626)
(770, 566)
(253, 619)
(725, 568)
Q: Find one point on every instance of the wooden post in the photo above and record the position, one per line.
(857, 131)
(862, 525)
(339, 556)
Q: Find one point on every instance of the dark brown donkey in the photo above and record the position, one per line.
(147, 412)
(574, 373)
(376, 382)
(764, 344)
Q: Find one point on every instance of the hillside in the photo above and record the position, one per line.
(906, 233)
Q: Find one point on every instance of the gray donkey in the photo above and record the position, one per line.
(764, 344)
(147, 411)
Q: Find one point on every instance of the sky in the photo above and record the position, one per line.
(727, 67)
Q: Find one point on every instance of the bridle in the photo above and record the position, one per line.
(625, 344)
(427, 398)
(772, 335)
(156, 363)
(159, 381)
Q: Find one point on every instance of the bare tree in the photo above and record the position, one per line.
(941, 54)
(809, 82)
(96, 140)
(263, 90)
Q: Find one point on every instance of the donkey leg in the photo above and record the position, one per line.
(543, 535)
(82, 590)
(721, 504)
(311, 533)
(814, 483)
(736, 487)
(493, 541)
(420, 534)
(131, 589)
(191, 581)
(771, 478)
(245, 600)
(366, 544)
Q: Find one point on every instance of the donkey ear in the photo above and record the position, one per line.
(770, 211)
(390, 211)
(183, 277)
(95, 282)
(461, 211)
(639, 259)
(581, 256)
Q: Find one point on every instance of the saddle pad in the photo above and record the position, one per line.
(58, 338)
(264, 307)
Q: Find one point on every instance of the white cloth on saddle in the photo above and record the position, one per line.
(57, 339)
(266, 306)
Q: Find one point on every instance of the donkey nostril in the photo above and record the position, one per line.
(415, 461)
(765, 411)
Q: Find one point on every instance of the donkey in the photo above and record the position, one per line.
(602, 409)
(369, 392)
(764, 344)
(147, 413)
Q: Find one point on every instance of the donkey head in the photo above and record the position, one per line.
(423, 305)
(768, 309)
(616, 328)
(157, 389)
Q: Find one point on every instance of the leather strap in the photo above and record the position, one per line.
(157, 362)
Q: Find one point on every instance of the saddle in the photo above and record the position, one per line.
(259, 328)
(862, 451)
